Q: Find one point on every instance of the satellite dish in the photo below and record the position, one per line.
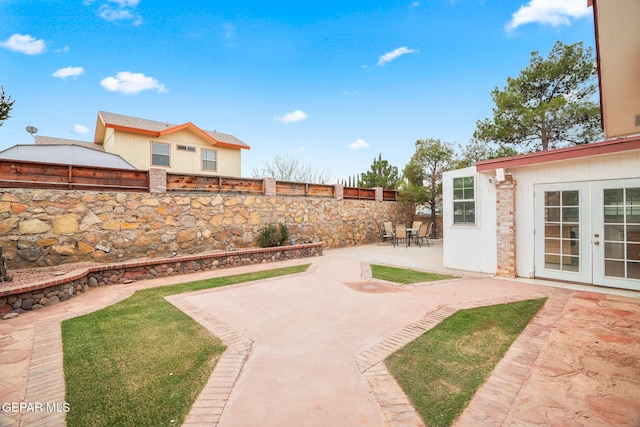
(32, 130)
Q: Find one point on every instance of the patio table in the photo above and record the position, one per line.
(410, 234)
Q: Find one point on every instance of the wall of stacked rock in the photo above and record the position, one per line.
(51, 227)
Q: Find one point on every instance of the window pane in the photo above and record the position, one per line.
(633, 233)
(570, 214)
(613, 197)
(633, 196)
(458, 194)
(570, 198)
(633, 270)
(614, 233)
(552, 214)
(552, 246)
(458, 183)
(161, 148)
(614, 215)
(614, 250)
(160, 160)
(551, 262)
(552, 230)
(633, 251)
(571, 263)
(468, 181)
(468, 193)
(614, 268)
(552, 198)
(633, 214)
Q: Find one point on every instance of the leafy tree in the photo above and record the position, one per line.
(287, 168)
(382, 174)
(5, 106)
(548, 105)
(477, 151)
(423, 173)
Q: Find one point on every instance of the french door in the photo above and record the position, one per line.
(589, 232)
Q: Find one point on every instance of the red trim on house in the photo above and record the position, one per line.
(604, 147)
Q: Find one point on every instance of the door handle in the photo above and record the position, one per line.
(596, 235)
(596, 243)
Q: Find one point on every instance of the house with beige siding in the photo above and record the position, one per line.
(183, 148)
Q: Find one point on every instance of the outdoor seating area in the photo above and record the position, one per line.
(418, 233)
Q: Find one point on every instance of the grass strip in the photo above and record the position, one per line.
(441, 370)
(142, 362)
(404, 275)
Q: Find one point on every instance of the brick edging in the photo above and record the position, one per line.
(19, 299)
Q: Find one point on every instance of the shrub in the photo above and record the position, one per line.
(272, 235)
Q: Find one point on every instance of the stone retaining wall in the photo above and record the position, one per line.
(51, 227)
(35, 296)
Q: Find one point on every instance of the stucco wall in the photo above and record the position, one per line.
(46, 227)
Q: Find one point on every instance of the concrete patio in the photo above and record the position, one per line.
(307, 349)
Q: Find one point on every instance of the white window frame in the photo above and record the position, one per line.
(167, 154)
(204, 160)
(465, 199)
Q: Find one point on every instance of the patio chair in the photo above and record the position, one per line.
(422, 234)
(416, 224)
(383, 235)
(388, 227)
(401, 234)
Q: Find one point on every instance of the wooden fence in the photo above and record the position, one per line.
(24, 174)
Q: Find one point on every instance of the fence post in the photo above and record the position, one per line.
(379, 194)
(157, 180)
(338, 191)
(269, 186)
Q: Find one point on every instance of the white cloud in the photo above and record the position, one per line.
(24, 44)
(349, 92)
(549, 12)
(65, 49)
(390, 56)
(63, 73)
(292, 117)
(80, 129)
(359, 144)
(119, 10)
(131, 83)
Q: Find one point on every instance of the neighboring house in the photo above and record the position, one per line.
(64, 151)
(181, 148)
(571, 214)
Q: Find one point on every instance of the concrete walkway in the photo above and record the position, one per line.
(307, 350)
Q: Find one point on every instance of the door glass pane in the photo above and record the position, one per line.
(552, 198)
(614, 250)
(633, 251)
(570, 198)
(614, 233)
(613, 197)
(552, 214)
(562, 230)
(633, 233)
(633, 270)
(622, 232)
(614, 268)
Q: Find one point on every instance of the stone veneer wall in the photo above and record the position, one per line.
(506, 228)
(16, 300)
(51, 227)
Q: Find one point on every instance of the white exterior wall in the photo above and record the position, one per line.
(470, 247)
(605, 167)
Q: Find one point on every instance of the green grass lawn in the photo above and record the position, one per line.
(142, 362)
(404, 275)
(442, 369)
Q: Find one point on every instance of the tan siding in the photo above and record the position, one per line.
(136, 149)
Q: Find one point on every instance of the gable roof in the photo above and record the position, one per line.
(595, 148)
(157, 129)
(50, 140)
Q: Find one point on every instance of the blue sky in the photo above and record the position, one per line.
(331, 83)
